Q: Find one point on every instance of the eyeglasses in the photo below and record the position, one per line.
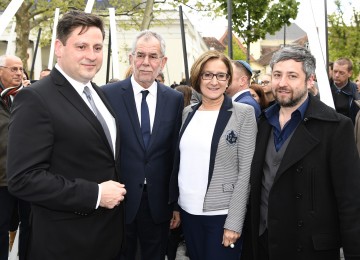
(140, 56)
(219, 76)
(13, 69)
(265, 82)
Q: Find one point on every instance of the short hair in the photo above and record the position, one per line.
(187, 92)
(238, 65)
(161, 75)
(147, 34)
(331, 64)
(5, 57)
(298, 54)
(345, 61)
(73, 19)
(197, 67)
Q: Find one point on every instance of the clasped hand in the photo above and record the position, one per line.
(112, 193)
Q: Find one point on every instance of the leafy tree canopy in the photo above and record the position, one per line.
(344, 37)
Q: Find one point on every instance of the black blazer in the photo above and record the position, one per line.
(57, 155)
(155, 163)
(314, 203)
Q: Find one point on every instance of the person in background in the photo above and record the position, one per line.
(161, 78)
(357, 127)
(149, 119)
(357, 82)
(210, 180)
(330, 72)
(11, 72)
(25, 80)
(314, 89)
(187, 92)
(265, 82)
(344, 91)
(65, 164)
(305, 197)
(113, 80)
(238, 90)
(258, 94)
(44, 73)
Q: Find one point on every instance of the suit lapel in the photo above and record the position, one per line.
(107, 105)
(130, 105)
(68, 91)
(301, 143)
(160, 109)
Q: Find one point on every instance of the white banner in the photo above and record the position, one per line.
(89, 6)
(114, 44)
(311, 18)
(10, 49)
(53, 38)
(9, 13)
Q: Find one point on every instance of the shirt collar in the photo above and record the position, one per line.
(79, 86)
(239, 93)
(137, 88)
(274, 109)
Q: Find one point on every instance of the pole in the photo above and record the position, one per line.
(230, 49)
(108, 58)
(285, 34)
(53, 38)
(326, 40)
(184, 45)
(114, 45)
(35, 52)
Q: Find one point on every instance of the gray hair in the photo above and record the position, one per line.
(148, 34)
(5, 57)
(298, 54)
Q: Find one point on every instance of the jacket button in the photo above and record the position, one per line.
(298, 195)
(299, 248)
(300, 223)
(299, 170)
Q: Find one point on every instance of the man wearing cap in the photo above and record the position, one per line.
(239, 88)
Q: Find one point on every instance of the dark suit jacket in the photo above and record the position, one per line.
(155, 163)
(57, 155)
(314, 203)
(246, 98)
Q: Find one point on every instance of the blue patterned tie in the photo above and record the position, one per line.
(145, 118)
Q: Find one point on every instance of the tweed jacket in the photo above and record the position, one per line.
(231, 153)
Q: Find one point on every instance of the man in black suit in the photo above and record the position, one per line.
(62, 151)
(304, 197)
(149, 117)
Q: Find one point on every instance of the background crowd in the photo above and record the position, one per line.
(240, 166)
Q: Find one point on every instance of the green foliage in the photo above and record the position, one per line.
(344, 39)
(238, 53)
(252, 20)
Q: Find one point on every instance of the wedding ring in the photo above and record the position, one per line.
(232, 245)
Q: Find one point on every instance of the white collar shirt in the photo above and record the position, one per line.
(79, 87)
(150, 99)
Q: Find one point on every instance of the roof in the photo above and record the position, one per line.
(213, 43)
(224, 41)
(292, 33)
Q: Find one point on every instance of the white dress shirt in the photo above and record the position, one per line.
(150, 99)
